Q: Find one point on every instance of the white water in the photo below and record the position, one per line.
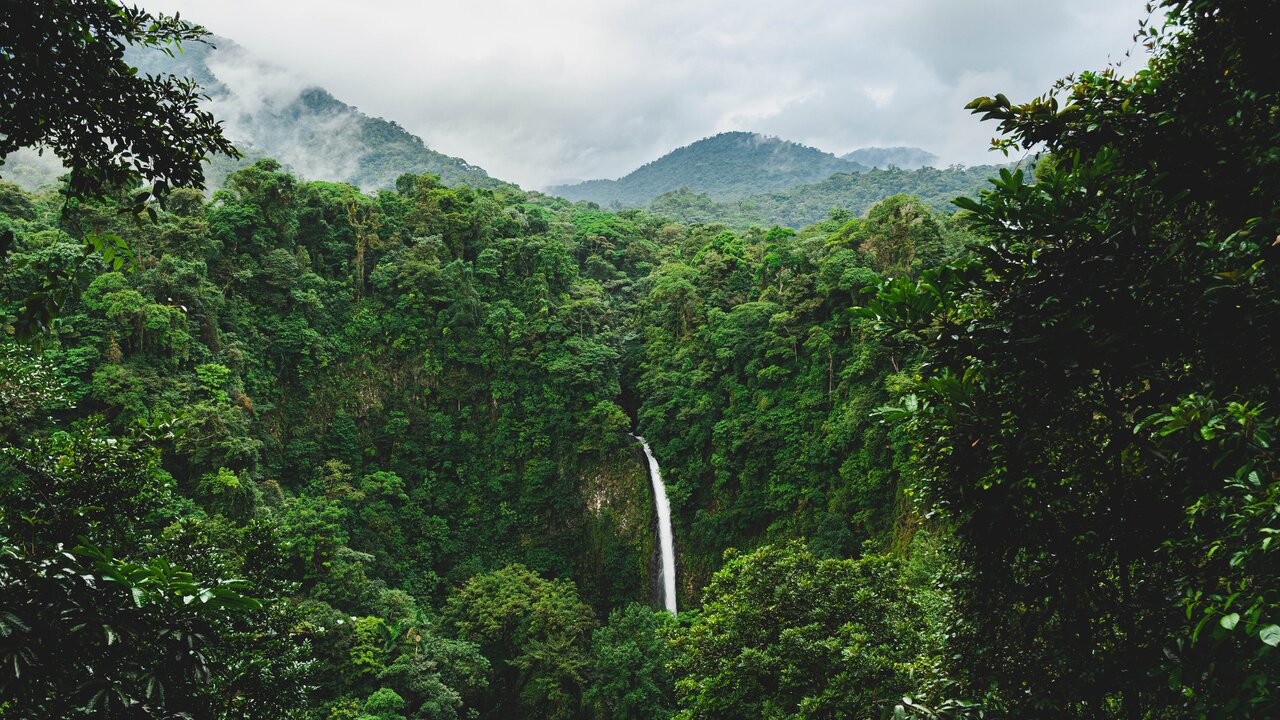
(664, 529)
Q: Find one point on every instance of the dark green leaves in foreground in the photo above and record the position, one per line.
(82, 632)
(1094, 421)
(65, 86)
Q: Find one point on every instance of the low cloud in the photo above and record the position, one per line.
(257, 96)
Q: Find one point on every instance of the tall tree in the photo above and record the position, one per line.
(65, 86)
(1096, 420)
(783, 633)
(536, 631)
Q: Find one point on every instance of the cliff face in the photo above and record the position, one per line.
(620, 560)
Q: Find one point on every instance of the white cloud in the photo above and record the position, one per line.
(543, 91)
(880, 95)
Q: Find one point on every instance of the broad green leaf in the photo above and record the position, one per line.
(1270, 635)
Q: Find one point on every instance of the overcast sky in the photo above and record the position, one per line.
(542, 91)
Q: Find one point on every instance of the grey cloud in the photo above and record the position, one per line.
(540, 92)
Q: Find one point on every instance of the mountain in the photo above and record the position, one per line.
(907, 158)
(725, 166)
(804, 205)
(322, 138)
(268, 112)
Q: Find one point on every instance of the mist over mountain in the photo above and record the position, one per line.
(907, 158)
(269, 112)
(724, 166)
(30, 169)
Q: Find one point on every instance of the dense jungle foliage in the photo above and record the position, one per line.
(1097, 417)
(401, 423)
(296, 451)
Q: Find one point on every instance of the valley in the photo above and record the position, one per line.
(302, 418)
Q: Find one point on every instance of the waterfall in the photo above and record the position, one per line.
(665, 539)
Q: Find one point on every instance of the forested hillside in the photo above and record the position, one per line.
(361, 401)
(399, 408)
(743, 180)
(759, 383)
(728, 165)
(845, 194)
(304, 450)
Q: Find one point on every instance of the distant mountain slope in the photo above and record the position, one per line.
(806, 204)
(269, 113)
(907, 158)
(30, 170)
(725, 166)
(307, 129)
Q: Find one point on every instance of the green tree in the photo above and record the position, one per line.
(437, 677)
(1094, 421)
(384, 704)
(93, 622)
(86, 634)
(784, 634)
(65, 86)
(535, 632)
(630, 656)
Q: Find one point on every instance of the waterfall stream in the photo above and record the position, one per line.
(665, 538)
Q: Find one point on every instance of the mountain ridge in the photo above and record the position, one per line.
(303, 126)
(725, 166)
(907, 158)
(806, 204)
